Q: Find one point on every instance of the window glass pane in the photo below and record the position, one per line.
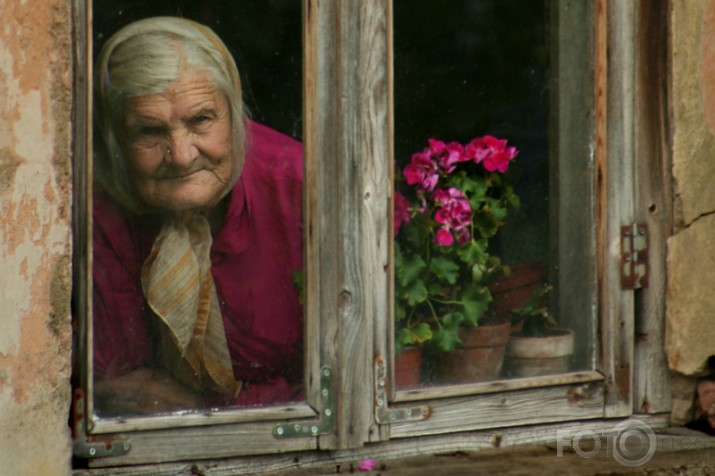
(479, 101)
(197, 209)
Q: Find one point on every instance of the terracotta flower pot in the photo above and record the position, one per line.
(512, 292)
(531, 356)
(481, 356)
(408, 364)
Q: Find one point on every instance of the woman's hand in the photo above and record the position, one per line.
(143, 391)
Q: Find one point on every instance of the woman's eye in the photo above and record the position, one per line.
(148, 131)
(147, 136)
(201, 120)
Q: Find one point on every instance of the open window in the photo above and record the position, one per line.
(368, 83)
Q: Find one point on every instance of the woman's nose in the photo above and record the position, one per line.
(181, 150)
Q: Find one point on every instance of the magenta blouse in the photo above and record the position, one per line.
(253, 258)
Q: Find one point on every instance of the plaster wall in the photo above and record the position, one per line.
(35, 236)
(690, 333)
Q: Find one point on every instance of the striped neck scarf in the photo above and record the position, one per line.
(179, 288)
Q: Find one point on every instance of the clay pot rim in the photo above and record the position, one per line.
(557, 332)
(410, 348)
(542, 346)
(521, 274)
(497, 330)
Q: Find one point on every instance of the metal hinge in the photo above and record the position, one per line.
(634, 256)
(326, 422)
(385, 415)
(85, 446)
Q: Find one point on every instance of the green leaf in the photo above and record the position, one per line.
(446, 339)
(435, 288)
(444, 269)
(403, 337)
(475, 300)
(417, 335)
(415, 293)
(474, 251)
(486, 224)
(400, 312)
(497, 209)
(474, 189)
(410, 269)
(453, 319)
(397, 255)
(421, 333)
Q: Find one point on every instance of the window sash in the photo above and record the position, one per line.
(348, 136)
(245, 424)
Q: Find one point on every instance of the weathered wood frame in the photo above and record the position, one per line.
(614, 181)
(348, 134)
(653, 198)
(633, 184)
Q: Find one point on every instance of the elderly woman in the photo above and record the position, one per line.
(197, 230)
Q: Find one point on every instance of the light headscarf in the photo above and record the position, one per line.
(146, 57)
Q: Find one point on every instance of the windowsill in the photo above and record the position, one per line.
(680, 451)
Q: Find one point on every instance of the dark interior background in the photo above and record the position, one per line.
(465, 68)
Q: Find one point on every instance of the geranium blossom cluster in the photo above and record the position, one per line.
(454, 216)
(432, 167)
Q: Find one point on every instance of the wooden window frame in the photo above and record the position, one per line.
(348, 133)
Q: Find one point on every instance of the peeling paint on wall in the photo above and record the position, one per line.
(35, 236)
(9, 162)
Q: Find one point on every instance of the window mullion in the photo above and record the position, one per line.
(346, 136)
(615, 186)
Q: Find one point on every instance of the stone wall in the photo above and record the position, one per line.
(690, 313)
(35, 236)
(690, 327)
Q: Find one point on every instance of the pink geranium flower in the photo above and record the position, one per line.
(444, 237)
(454, 215)
(436, 147)
(446, 155)
(402, 212)
(422, 171)
(476, 150)
(492, 152)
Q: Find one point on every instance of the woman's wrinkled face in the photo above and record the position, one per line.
(178, 144)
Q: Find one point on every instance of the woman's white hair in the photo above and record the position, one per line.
(145, 57)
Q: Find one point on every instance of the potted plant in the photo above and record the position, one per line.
(449, 201)
(541, 347)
